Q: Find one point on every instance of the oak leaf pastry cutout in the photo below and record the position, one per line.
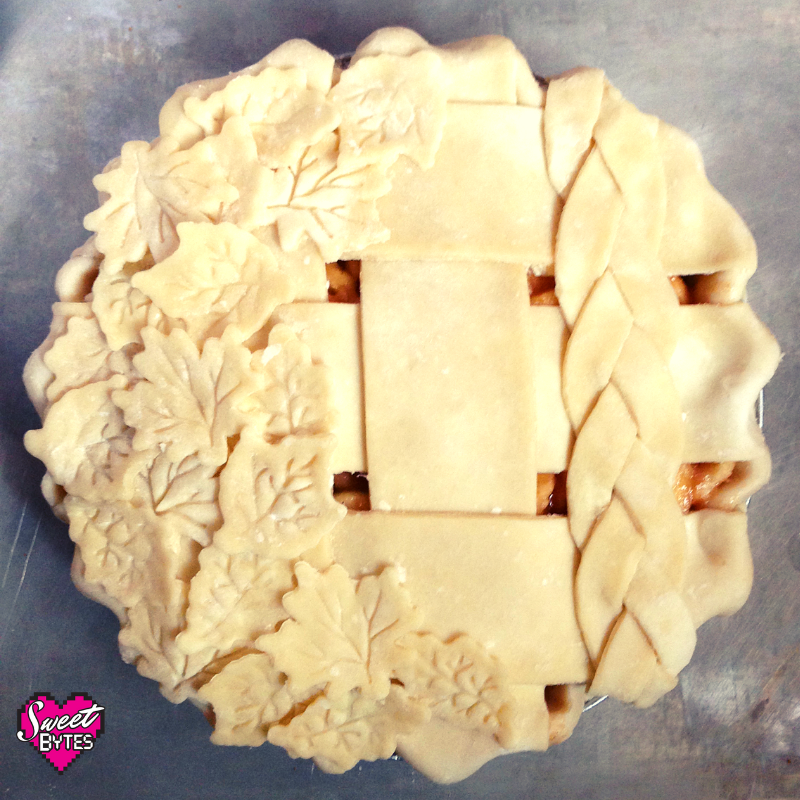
(404, 407)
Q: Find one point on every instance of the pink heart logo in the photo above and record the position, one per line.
(60, 732)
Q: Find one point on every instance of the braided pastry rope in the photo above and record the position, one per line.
(618, 391)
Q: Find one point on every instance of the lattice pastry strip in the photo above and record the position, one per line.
(625, 138)
(571, 111)
(582, 254)
(594, 347)
(609, 560)
(659, 424)
(624, 166)
(597, 461)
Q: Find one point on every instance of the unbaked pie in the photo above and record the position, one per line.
(403, 407)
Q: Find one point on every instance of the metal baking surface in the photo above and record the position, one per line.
(80, 77)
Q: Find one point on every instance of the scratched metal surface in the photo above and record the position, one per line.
(80, 77)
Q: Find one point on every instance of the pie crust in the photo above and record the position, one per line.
(199, 392)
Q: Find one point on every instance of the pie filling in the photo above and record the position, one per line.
(542, 289)
(343, 281)
(351, 489)
(697, 485)
(714, 287)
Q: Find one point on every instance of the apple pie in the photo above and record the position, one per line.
(405, 404)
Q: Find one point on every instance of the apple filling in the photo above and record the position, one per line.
(343, 281)
(542, 290)
(697, 484)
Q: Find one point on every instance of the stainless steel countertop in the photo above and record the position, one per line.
(78, 78)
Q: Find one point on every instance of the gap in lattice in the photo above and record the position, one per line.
(351, 489)
(697, 485)
(542, 289)
(344, 281)
(551, 494)
(557, 698)
(692, 290)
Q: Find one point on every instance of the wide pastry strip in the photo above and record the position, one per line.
(714, 343)
(554, 439)
(489, 69)
(487, 197)
(486, 69)
(332, 332)
(705, 337)
(448, 387)
(499, 573)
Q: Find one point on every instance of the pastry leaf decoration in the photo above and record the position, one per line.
(84, 440)
(338, 733)
(148, 640)
(184, 493)
(219, 278)
(392, 105)
(83, 335)
(333, 205)
(339, 632)
(295, 396)
(150, 190)
(235, 150)
(148, 635)
(276, 499)
(248, 695)
(138, 566)
(114, 547)
(122, 311)
(458, 680)
(187, 402)
(233, 599)
(285, 115)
